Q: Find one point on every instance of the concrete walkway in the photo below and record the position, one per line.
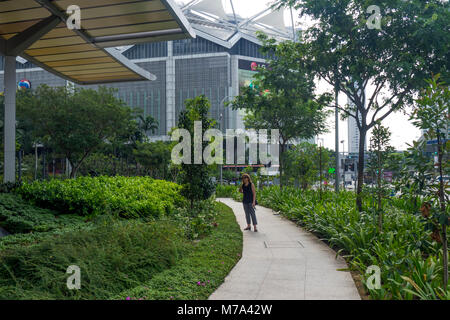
(284, 262)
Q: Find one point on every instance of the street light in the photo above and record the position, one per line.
(320, 166)
(222, 102)
(343, 156)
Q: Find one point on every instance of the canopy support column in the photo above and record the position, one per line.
(9, 166)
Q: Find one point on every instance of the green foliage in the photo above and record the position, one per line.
(200, 272)
(195, 179)
(154, 157)
(16, 216)
(399, 251)
(226, 191)
(9, 187)
(197, 221)
(73, 121)
(125, 197)
(120, 259)
(303, 164)
(379, 70)
(380, 150)
(291, 105)
(112, 258)
(433, 114)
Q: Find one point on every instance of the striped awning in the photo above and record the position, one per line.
(85, 55)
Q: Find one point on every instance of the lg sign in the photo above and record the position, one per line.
(251, 65)
(24, 84)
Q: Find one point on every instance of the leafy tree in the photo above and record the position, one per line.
(303, 163)
(433, 115)
(380, 149)
(344, 49)
(154, 157)
(73, 121)
(413, 180)
(195, 179)
(148, 125)
(282, 97)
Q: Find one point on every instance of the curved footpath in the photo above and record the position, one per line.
(284, 262)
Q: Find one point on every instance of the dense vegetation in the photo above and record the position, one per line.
(127, 197)
(202, 269)
(410, 261)
(125, 234)
(16, 216)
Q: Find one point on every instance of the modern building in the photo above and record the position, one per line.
(353, 133)
(221, 59)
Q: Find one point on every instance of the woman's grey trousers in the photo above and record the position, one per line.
(250, 213)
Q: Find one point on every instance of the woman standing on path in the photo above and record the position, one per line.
(249, 201)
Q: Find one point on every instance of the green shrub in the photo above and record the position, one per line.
(198, 221)
(123, 196)
(404, 251)
(226, 191)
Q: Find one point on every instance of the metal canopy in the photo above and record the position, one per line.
(79, 55)
(37, 31)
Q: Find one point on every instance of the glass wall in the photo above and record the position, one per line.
(147, 50)
(195, 46)
(208, 76)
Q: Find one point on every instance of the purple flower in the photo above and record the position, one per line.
(128, 298)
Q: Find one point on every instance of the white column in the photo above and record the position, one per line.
(236, 120)
(10, 119)
(170, 89)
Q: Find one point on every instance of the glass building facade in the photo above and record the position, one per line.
(200, 66)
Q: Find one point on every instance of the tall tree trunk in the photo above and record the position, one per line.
(443, 210)
(362, 142)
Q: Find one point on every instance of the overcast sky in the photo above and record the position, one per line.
(403, 131)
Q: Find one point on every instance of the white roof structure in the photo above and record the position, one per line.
(210, 21)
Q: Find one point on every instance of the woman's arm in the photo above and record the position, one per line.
(240, 189)
(254, 194)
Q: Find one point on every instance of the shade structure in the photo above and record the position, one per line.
(42, 32)
(79, 55)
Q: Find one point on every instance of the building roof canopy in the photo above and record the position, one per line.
(37, 31)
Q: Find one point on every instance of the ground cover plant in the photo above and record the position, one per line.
(202, 270)
(116, 253)
(17, 216)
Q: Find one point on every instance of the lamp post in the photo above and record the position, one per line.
(221, 165)
(336, 115)
(222, 102)
(320, 167)
(343, 156)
